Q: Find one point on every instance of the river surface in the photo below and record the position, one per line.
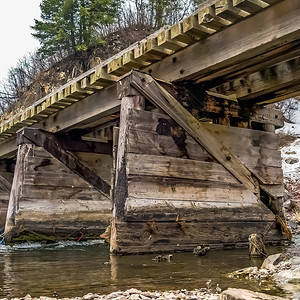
(76, 268)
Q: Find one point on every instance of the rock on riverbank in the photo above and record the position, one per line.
(281, 268)
(134, 294)
(200, 294)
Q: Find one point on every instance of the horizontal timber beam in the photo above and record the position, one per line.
(52, 145)
(8, 148)
(74, 145)
(270, 84)
(84, 112)
(246, 42)
(79, 115)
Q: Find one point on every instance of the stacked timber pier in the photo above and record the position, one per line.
(168, 145)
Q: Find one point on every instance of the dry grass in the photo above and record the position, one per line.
(297, 215)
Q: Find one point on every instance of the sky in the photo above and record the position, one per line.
(16, 17)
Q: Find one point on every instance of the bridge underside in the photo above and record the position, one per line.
(170, 163)
(165, 173)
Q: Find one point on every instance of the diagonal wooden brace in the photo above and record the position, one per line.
(155, 93)
(50, 143)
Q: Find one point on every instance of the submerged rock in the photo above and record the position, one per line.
(247, 273)
(167, 257)
(201, 250)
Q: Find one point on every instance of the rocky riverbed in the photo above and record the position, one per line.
(201, 294)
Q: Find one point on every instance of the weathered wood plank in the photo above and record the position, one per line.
(100, 164)
(5, 184)
(147, 142)
(267, 175)
(192, 27)
(61, 225)
(121, 184)
(242, 136)
(267, 115)
(153, 165)
(85, 146)
(86, 111)
(93, 107)
(207, 17)
(121, 191)
(186, 189)
(250, 6)
(226, 10)
(275, 191)
(6, 179)
(164, 40)
(149, 121)
(61, 200)
(143, 210)
(265, 163)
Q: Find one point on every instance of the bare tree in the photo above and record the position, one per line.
(290, 109)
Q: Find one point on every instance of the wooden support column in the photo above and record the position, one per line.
(6, 177)
(121, 187)
(16, 190)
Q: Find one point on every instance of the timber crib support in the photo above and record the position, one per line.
(58, 194)
(175, 174)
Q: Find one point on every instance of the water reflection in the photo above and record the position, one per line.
(76, 269)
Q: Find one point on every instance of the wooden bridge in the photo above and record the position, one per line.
(170, 143)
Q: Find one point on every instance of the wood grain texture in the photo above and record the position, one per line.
(147, 142)
(184, 189)
(163, 166)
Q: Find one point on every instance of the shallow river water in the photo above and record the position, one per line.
(73, 269)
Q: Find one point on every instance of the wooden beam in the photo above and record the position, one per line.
(5, 184)
(79, 115)
(8, 148)
(268, 115)
(262, 86)
(86, 146)
(53, 146)
(222, 52)
(88, 110)
(250, 6)
(151, 90)
(121, 182)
